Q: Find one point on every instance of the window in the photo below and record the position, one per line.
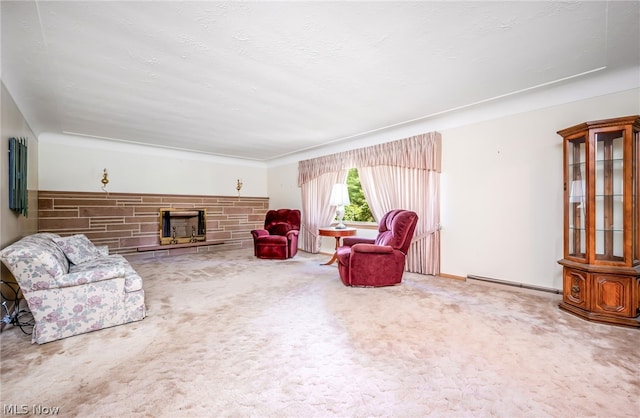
(358, 210)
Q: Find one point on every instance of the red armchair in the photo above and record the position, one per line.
(379, 261)
(279, 238)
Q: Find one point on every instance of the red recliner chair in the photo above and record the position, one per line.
(379, 261)
(279, 238)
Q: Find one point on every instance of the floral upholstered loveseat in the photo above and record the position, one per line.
(72, 286)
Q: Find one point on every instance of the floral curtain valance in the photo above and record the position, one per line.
(420, 151)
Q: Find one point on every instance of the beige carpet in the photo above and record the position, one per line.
(231, 335)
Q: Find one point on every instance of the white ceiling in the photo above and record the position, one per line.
(260, 80)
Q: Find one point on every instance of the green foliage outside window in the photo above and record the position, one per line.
(358, 210)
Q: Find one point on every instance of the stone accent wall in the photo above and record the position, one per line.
(129, 223)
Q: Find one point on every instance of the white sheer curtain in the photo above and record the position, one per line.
(387, 188)
(316, 211)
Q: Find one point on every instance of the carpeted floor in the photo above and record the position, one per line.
(231, 335)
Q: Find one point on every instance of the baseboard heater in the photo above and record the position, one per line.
(514, 284)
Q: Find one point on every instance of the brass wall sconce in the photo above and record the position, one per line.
(104, 180)
(239, 186)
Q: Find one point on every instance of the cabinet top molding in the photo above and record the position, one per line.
(603, 123)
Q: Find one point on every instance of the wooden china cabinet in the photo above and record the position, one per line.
(601, 264)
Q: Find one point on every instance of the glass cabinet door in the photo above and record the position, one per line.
(576, 155)
(609, 191)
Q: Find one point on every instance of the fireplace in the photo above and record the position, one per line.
(180, 226)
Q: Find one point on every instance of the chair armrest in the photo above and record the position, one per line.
(293, 232)
(90, 276)
(351, 241)
(259, 233)
(372, 249)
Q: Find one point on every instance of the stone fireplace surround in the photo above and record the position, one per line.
(129, 223)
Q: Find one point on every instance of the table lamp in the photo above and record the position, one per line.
(339, 199)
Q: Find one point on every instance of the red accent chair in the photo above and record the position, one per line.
(279, 238)
(380, 261)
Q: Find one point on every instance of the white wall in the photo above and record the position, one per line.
(283, 186)
(12, 225)
(502, 189)
(72, 163)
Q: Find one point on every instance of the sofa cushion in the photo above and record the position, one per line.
(78, 248)
(44, 241)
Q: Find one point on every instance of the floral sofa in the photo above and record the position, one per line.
(72, 286)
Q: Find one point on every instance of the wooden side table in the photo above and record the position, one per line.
(337, 233)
